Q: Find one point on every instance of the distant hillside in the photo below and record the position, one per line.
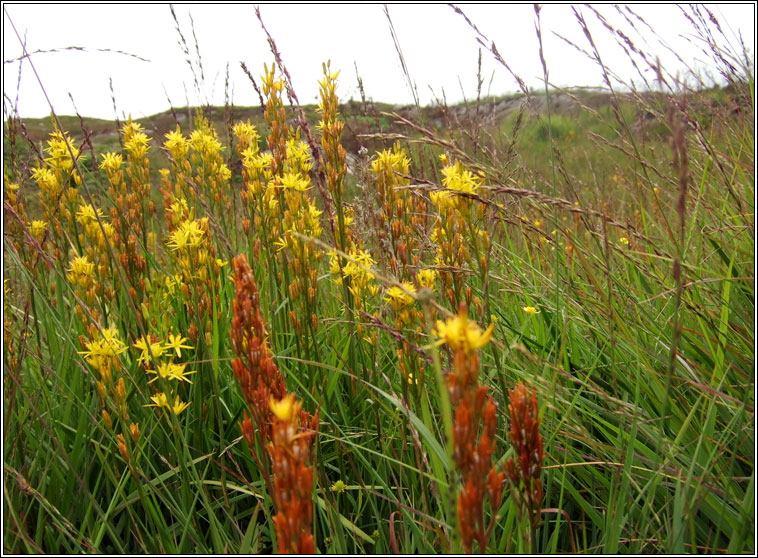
(360, 118)
(370, 118)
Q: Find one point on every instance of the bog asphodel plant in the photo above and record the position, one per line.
(157, 359)
(523, 473)
(403, 215)
(276, 420)
(408, 320)
(212, 174)
(402, 223)
(254, 367)
(194, 263)
(59, 197)
(361, 283)
(94, 240)
(102, 353)
(282, 215)
(196, 184)
(198, 169)
(261, 222)
(459, 232)
(331, 127)
(132, 209)
(474, 426)
(300, 221)
(353, 273)
(289, 450)
(89, 274)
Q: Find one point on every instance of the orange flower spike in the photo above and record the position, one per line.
(474, 428)
(465, 505)
(523, 474)
(248, 431)
(254, 368)
(495, 482)
(524, 432)
(293, 478)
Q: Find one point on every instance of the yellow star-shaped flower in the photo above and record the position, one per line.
(460, 333)
(155, 348)
(161, 400)
(285, 409)
(175, 342)
(171, 371)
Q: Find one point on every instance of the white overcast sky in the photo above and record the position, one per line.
(440, 51)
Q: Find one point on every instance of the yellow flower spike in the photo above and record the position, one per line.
(60, 148)
(47, 181)
(175, 342)
(248, 132)
(285, 409)
(130, 128)
(459, 179)
(531, 310)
